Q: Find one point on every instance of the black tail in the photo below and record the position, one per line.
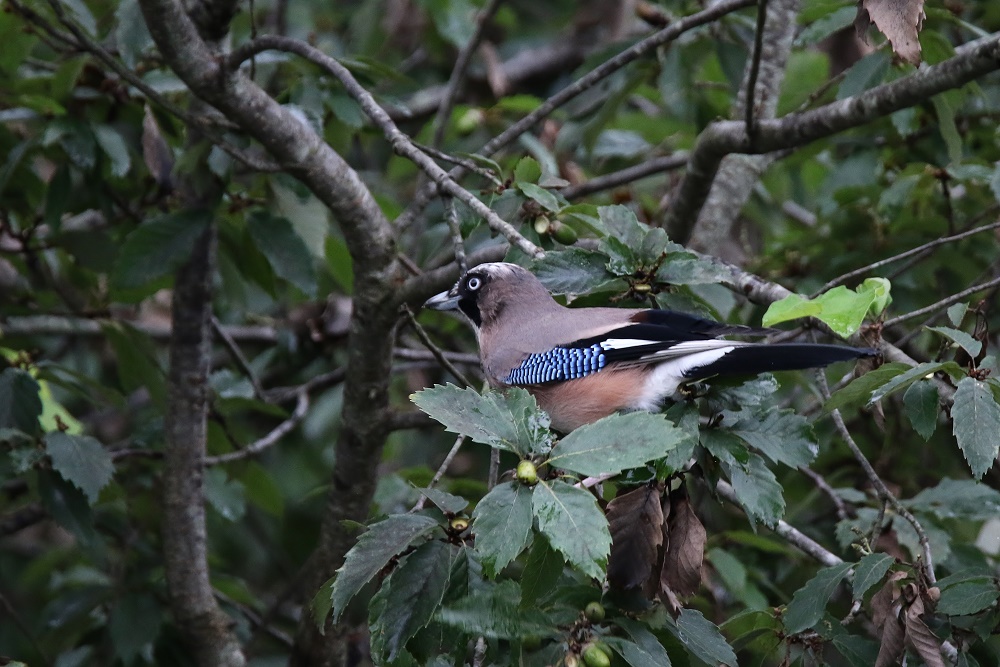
(753, 359)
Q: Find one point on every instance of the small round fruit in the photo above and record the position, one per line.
(542, 225)
(458, 525)
(531, 643)
(563, 233)
(593, 656)
(594, 611)
(527, 473)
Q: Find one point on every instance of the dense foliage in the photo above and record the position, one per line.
(215, 392)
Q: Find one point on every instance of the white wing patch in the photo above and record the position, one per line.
(666, 377)
(622, 343)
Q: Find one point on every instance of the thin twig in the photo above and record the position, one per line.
(239, 358)
(825, 487)
(839, 280)
(625, 176)
(204, 125)
(758, 48)
(451, 213)
(408, 354)
(279, 431)
(400, 142)
(457, 78)
(466, 163)
(581, 85)
(435, 350)
(449, 457)
(880, 488)
(943, 303)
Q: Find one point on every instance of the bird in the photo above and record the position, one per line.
(583, 364)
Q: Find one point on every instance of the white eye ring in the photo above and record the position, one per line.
(474, 283)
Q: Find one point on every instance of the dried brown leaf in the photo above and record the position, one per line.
(920, 637)
(882, 602)
(899, 20)
(635, 520)
(891, 639)
(156, 152)
(685, 547)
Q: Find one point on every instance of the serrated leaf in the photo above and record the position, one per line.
(635, 520)
(635, 655)
(446, 502)
(968, 597)
(622, 224)
(645, 640)
(920, 403)
(781, 435)
(510, 420)
(807, 604)
(976, 423)
(226, 496)
(702, 638)
(134, 622)
(373, 550)
(960, 338)
(20, 404)
(956, 311)
(904, 380)
(527, 170)
(156, 248)
(860, 389)
(541, 569)
(758, 491)
(131, 35)
(546, 199)
(502, 524)
(869, 571)
(616, 443)
(574, 525)
(574, 271)
(410, 597)
(958, 499)
(864, 74)
(842, 309)
(81, 460)
(494, 613)
(284, 249)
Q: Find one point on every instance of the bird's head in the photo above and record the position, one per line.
(488, 289)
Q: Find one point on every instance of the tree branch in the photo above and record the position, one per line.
(724, 137)
(625, 176)
(276, 434)
(399, 141)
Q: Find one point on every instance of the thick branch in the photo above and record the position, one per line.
(722, 138)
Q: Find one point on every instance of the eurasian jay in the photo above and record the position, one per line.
(582, 364)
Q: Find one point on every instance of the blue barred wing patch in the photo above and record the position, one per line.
(559, 363)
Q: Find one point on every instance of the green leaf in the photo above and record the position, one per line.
(137, 363)
(446, 502)
(262, 490)
(373, 550)
(81, 460)
(842, 309)
(636, 655)
(945, 111)
(968, 597)
(155, 249)
(781, 435)
(807, 604)
(702, 638)
(619, 143)
(616, 443)
(870, 570)
(502, 524)
(574, 271)
(133, 624)
(958, 499)
(859, 391)
(956, 311)
(574, 525)
(864, 74)
(493, 612)
(284, 249)
(623, 225)
(904, 380)
(758, 491)
(920, 403)
(409, 598)
(879, 288)
(510, 420)
(541, 570)
(645, 640)
(114, 146)
(546, 199)
(131, 35)
(960, 338)
(226, 496)
(20, 404)
(976, 423)
(527, 170)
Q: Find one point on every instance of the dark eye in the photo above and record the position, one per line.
(473, 283)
